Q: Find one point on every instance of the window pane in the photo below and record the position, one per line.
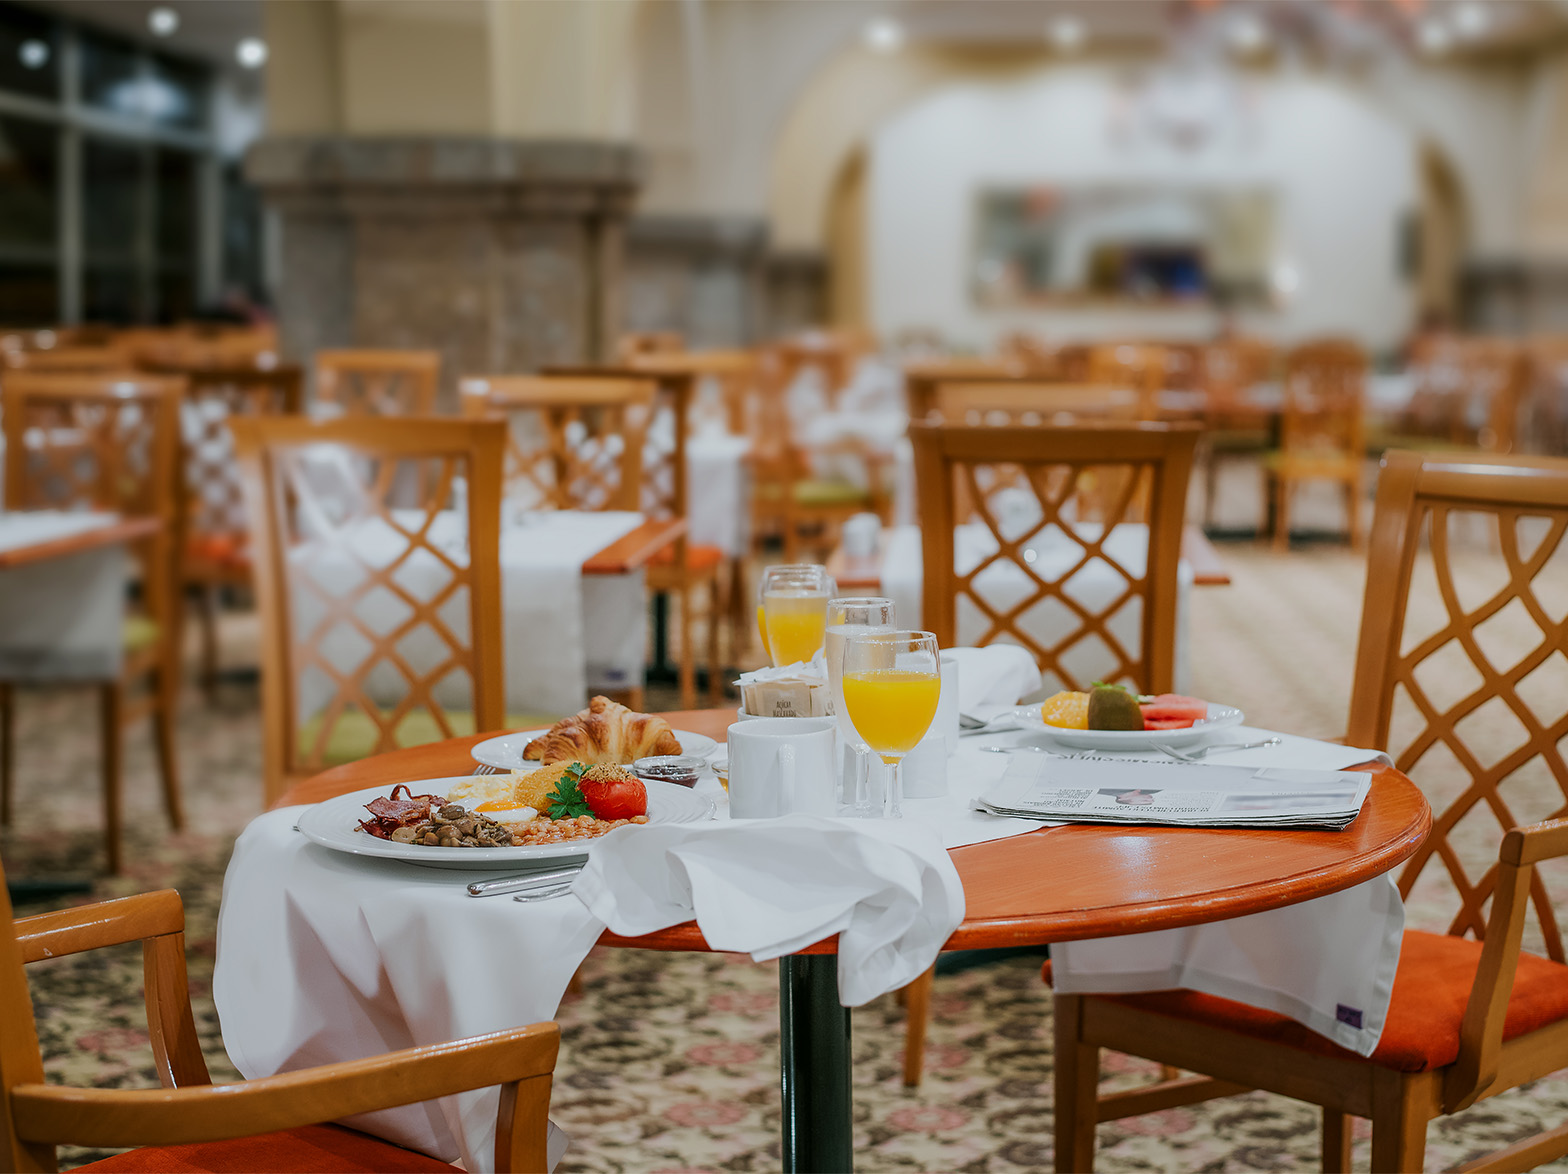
(29, 162)
(176, 206)
(176, 296)
(29, 53)
(29, 295)
(111, 197)
(177, 93)
(109, 78)
(109, 294)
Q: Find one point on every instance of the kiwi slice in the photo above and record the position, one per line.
(1111, 707)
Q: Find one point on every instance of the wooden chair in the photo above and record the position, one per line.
(267, 1124)
(378, 382)
(647, 342)
(1137, 366)
(78, 441)
(1468, 393)
(573, 442)
(1148, 463)
(1030, 401)
(215, 553)
(1233, 427)
(921, 379)
(1322, 431)
(740, 377)
(82, 359)
(343, 619)
(1468, 1019)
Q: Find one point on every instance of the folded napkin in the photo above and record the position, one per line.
(772, 887)
(995, 676)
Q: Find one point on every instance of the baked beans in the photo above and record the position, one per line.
(544, 830)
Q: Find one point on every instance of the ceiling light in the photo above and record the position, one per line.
(33, 54)
(251, 52)
(1067, 33)
(1433, 37)
(1246, 33)
(884, 35)
(1471, 19)
(163, 21)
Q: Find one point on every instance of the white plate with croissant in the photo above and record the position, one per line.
(605, 733)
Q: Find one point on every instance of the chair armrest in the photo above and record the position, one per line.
(53, 1114)
(1536, 842)
(105, 923)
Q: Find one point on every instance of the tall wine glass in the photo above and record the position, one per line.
(846, 618)
(792, 611)
(892, 682)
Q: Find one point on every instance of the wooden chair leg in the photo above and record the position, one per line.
(7, 750)
(1077, 1080)
(163, 717)
(917, 1015)
(1336, 1142)
(742, 622)
(1282, 489)
(1399, 1123)
(1210, 485)
(687, 670)
(111, 705)
(716, 620)
(1353, 510)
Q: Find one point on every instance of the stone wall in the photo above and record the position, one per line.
(504, 255)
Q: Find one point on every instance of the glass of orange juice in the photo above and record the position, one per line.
(792, 612)
(892, 681)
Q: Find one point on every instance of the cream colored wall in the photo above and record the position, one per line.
(415, 66)
(303, 95)
(1545, 211)
(562, 68)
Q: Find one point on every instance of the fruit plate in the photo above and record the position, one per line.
(1220, 717)
(334, 824)
(506, 751)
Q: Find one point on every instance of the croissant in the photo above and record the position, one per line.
(604, 733)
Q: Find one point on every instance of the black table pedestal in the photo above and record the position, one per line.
(814, 1063)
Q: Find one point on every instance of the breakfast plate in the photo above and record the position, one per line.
(1220, 717)
(334, 824)
(506, 751)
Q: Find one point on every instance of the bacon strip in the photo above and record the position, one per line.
(391, 812)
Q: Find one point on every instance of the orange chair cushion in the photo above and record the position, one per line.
(698, 558)
(1431, 988)
(314, 1149)
(217, 550)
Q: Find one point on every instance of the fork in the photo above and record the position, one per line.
(484, 768)
(1203, 752)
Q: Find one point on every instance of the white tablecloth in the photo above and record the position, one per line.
(1003, 584)
(61, 618)
(563, 633)
(718, 492)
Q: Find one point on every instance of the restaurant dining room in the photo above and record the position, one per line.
(618, 586)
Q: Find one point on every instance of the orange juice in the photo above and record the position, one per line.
(891, 708)
(793, 624)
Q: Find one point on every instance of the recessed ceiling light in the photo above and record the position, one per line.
(1433, 36)
(1067, 33)
(33, 54)
(163, 21)
(251, 52)
(1471, 19)
(884, 35)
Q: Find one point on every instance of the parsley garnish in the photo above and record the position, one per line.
(566, 801)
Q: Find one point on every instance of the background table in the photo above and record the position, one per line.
(1054, 885)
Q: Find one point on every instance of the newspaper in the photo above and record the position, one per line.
(1091, 788)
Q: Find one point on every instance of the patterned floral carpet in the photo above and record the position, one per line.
(670, 1061)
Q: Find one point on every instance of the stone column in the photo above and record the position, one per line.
(701, 276)
(502, 254)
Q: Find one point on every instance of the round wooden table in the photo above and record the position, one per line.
(1056, 885)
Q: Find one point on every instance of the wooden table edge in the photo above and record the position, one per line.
(636, 548)
(109, 534)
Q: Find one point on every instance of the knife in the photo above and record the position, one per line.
(531, 880)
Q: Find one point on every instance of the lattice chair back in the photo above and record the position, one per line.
(1461, 673)
(100, 442)
(573, 442)
(1137, 366)
(381, 620)
(1032, 401)
(1325, 394)
(1227, 370)
(217, 528)
(731, 384)
(923, 377)
(1091, 594)
(84, 359)
(377, 382)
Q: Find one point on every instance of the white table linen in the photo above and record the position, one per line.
(61, 618)
(718, 492)
(1004, 584)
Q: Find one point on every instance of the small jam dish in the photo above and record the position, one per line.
(681, 769)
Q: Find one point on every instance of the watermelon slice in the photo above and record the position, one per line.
(1172, 711)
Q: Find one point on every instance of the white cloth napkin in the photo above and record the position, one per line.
(995, 676)
(772, 887)
(1096, 586)
(62, 617)
(1273, 960)
(324, 957)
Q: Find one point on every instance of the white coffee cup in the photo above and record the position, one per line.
(782, 766)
